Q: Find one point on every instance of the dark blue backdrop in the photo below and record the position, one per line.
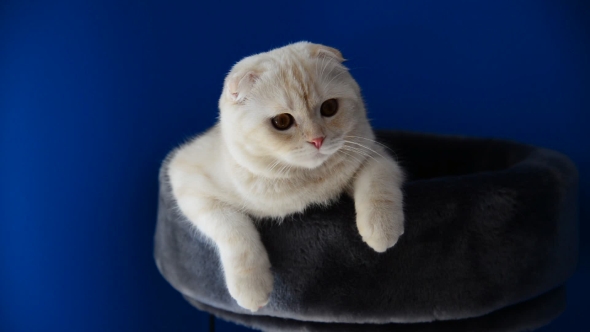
(94, 94)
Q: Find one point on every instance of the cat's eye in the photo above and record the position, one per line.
(282, 121)
(329, 107)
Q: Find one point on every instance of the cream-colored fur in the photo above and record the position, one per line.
(244, 168)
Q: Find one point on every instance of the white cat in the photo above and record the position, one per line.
(292, 132)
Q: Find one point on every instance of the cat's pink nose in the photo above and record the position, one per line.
(317, 142)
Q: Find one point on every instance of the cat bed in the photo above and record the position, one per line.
(490, 224)
(524, 316)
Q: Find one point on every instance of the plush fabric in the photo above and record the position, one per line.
(489, 224)
(524, 316)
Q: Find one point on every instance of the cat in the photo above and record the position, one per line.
(292, 132)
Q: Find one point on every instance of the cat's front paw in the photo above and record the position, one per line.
(252, 288)
(380, 226)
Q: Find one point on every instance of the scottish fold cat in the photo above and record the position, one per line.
(292, 132)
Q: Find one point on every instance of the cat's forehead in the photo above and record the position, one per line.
(300, 83)
(295, 78)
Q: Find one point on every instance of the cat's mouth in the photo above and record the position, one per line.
(311, 157)
(320, 154)
(319, 157)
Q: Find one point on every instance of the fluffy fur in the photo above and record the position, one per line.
(244, 168)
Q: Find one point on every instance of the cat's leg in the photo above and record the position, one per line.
(378, 201)
(245, 261)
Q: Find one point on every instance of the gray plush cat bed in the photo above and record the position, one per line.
(491, 230)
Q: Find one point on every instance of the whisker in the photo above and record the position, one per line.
(316, 69)
(351, 156)
(272, 166)
(371, 140)
(366, 147)
(331, 69)
(326, 64)
(287, 170)
(376, 142)
(359, 151)
(335, 76)
(281, 170)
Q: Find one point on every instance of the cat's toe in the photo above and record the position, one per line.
(251, 291)
(381, 231)
(379, 244)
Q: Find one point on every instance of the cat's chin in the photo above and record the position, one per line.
(312, 162)
(313, 165)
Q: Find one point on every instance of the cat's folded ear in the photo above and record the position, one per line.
(318, 50)
(239, 84)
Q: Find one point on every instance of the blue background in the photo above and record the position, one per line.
(94, 94)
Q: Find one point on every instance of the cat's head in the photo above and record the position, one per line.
(297, 104)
